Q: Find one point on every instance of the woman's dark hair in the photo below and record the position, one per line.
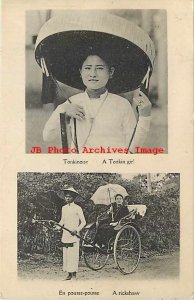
(96, 52)
(118, 195)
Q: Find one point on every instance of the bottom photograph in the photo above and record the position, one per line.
(95, 226)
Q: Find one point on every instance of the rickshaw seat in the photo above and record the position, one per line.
(139, 209)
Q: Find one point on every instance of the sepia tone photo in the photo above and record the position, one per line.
(86, 226)
(96, 81)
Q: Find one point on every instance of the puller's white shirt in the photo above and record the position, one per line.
(109, 122)
(72, 218)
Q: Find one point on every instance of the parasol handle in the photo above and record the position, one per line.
(111, 205)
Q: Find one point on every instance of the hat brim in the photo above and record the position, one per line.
(65, 52)
(66, 191)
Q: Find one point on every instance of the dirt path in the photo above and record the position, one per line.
(41, 267)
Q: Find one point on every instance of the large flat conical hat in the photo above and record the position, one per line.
(66, 40)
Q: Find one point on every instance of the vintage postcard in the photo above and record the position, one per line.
(97, 150)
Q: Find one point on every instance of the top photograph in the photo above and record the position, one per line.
(96, 82)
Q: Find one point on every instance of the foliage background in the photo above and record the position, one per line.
(39, 196)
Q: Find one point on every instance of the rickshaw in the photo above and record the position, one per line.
(125, 242)
(124, 245)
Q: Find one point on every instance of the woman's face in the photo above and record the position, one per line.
(119, 200)
(95, 73)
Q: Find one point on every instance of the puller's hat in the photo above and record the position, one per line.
(70, 190)
(65, 41)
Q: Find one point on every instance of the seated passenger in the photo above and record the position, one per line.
(106, 230)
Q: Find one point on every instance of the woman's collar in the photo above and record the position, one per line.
(96, 94)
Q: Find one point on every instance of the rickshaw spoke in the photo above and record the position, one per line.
(94, 257)
(127, 249)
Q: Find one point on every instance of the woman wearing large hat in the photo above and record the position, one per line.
(73, 219)
(105, 55)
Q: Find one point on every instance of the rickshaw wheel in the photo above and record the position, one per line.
(94, 257)
(127, 249)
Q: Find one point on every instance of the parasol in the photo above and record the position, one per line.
(106, 194)
(65, 41)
